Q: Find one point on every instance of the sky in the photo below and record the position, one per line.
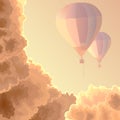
(47, 47)
(40, 74)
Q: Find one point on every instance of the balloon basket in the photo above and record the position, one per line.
(82, 61)
(99, 65)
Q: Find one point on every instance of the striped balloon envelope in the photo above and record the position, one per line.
(79, 23)
(100, 46)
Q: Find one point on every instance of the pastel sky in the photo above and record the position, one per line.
(49, 49)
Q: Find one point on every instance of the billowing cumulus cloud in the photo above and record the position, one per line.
(26, 91)
(11, 40)
(12, 71)
(98, 103)
(55, 109)
(13, 67)
(34, 98)
(26, 96)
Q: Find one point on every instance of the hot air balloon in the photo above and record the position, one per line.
(79, 23)
(100, 46)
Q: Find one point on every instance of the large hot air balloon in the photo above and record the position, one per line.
(79, 23)
(100, 46)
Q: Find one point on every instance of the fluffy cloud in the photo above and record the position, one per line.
(98, 103)
(34, 98)
(12, 71)
(55, 109)
(26, 91)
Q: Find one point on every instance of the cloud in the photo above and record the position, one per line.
(55, 109)
(26, 91)
(6, 107)
(13, 66)
(33, 97)
(22, 100)
(12, 71)
(97, 103)
(11, 40)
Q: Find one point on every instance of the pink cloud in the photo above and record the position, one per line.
(97, 103)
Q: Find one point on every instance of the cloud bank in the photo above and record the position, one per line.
(98, 103)
(26, 91)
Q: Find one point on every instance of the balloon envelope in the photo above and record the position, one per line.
(100, 46)
(79, 23)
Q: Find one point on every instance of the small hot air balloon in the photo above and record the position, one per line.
(100, 46)
(79, 23)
